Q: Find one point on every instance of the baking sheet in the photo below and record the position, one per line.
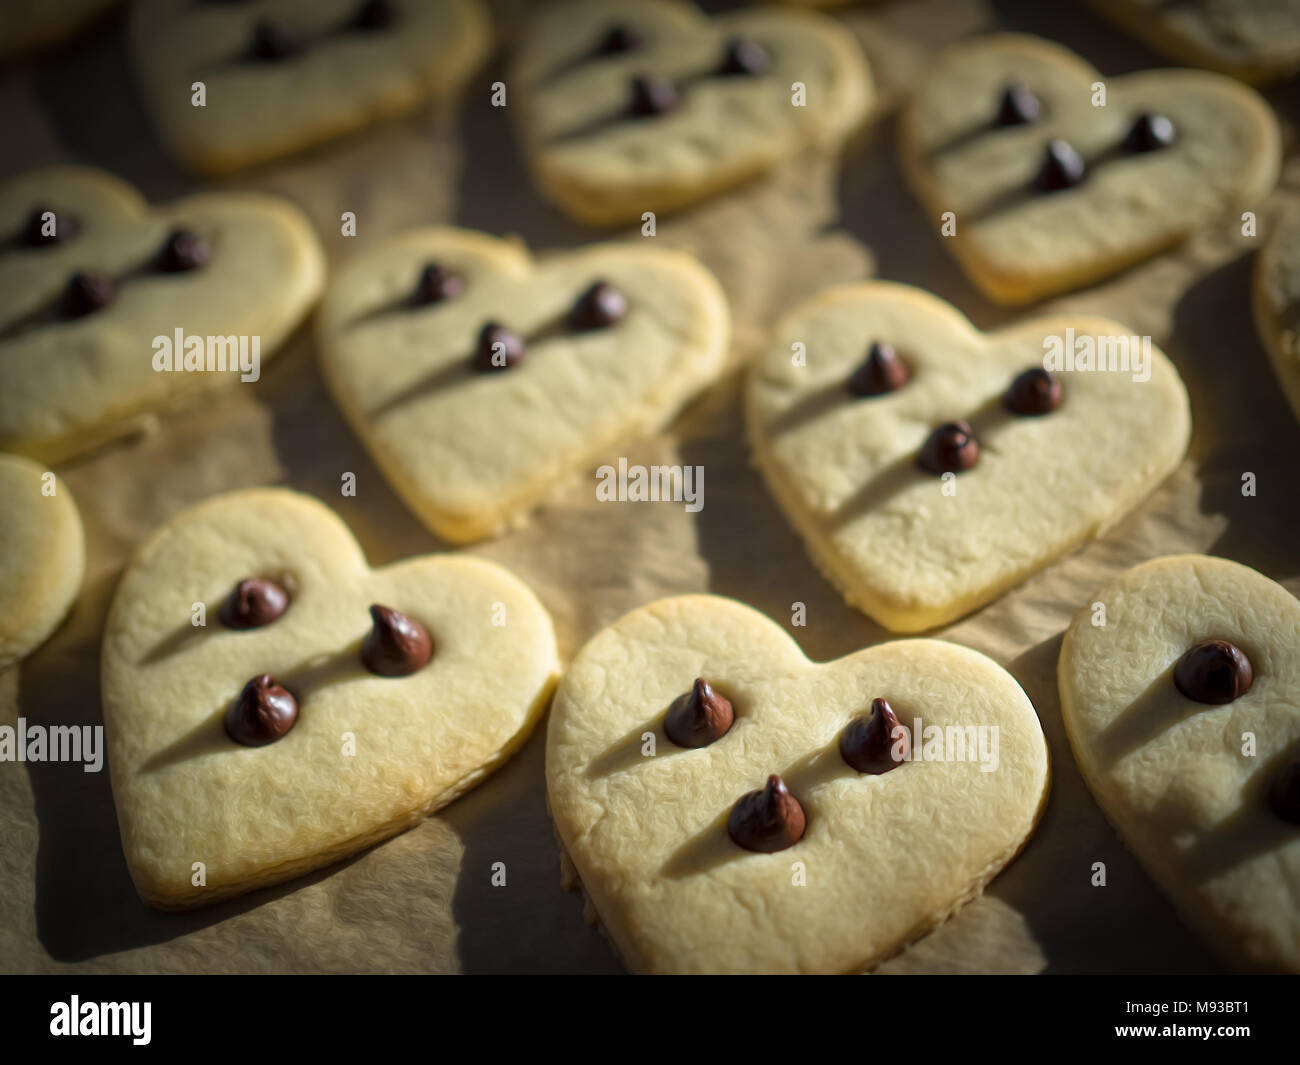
(424, 901)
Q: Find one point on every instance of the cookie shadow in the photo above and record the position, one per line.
(1127, 926)
(528, 924)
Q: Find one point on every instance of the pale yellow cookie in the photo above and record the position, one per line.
(473, 451)
(916, 548)
(42, 556)
(1276, 302)
(808, 88)
(68, 383)
(1255, 40)
(1188, 784)
(281, 76)
(979, 180)
(204, 817)
(883, 859)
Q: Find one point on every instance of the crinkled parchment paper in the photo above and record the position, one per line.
(424, 901)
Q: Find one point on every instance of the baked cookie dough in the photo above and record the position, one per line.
(1037, 191)
(1255, 40)
(1277, 303)
(1183, 714)
(29, 25)
(832, 868)
(96, 286)
(42, 556)
(478, 379)
(930, 467)
(305, 720)
(648, 105)
(280, 77)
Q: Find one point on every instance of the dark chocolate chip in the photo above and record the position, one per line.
(882, 371)
(619, 39)
(1018, 106)
(34, 234)
(601, 305)
(436, 284)
(951, 448)
(698, 717)
(1150, 132)
(183, 250)
(1035, 391)
(86, 293)
(396, 645)
(263, 713)
(273, 40)
(254, 602)
(744, 56)
(652, 94)
(1214, 672)
(1284, 793)
(373, 15)
(767, 820)
(1062, 167)
(498, 348)
(867, 742)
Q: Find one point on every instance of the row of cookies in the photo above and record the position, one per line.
(328, 706)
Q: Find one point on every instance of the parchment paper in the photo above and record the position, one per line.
(424, 901)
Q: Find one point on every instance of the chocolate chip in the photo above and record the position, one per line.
(498, 348)
(601, 305)
(882, 371)
(263, 713)
(767, 820)
(1018, 106)
(1214, 672)
(950, 448)
(86, 293)
(183, 250)
(1035, 391)
(396, 645)
(254, 602)
(698, 717)
(867, 742)
(1062, 167)
(620, 38)
(34, 233)
(652, 95)
(743, 56)
(436, 284)
(1284, 794)
(1150, 132)
(373, 15)
(273, 40)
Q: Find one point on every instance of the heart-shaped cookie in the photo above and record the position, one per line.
(853, 865)
(1276, 303)
(1037, 190)
(648, 105)
(1255, 40)
(279, 77)
(351, 725)
(927, 470)
(95, 287)
(594, 347)
(1179, 690)
(42, 556)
